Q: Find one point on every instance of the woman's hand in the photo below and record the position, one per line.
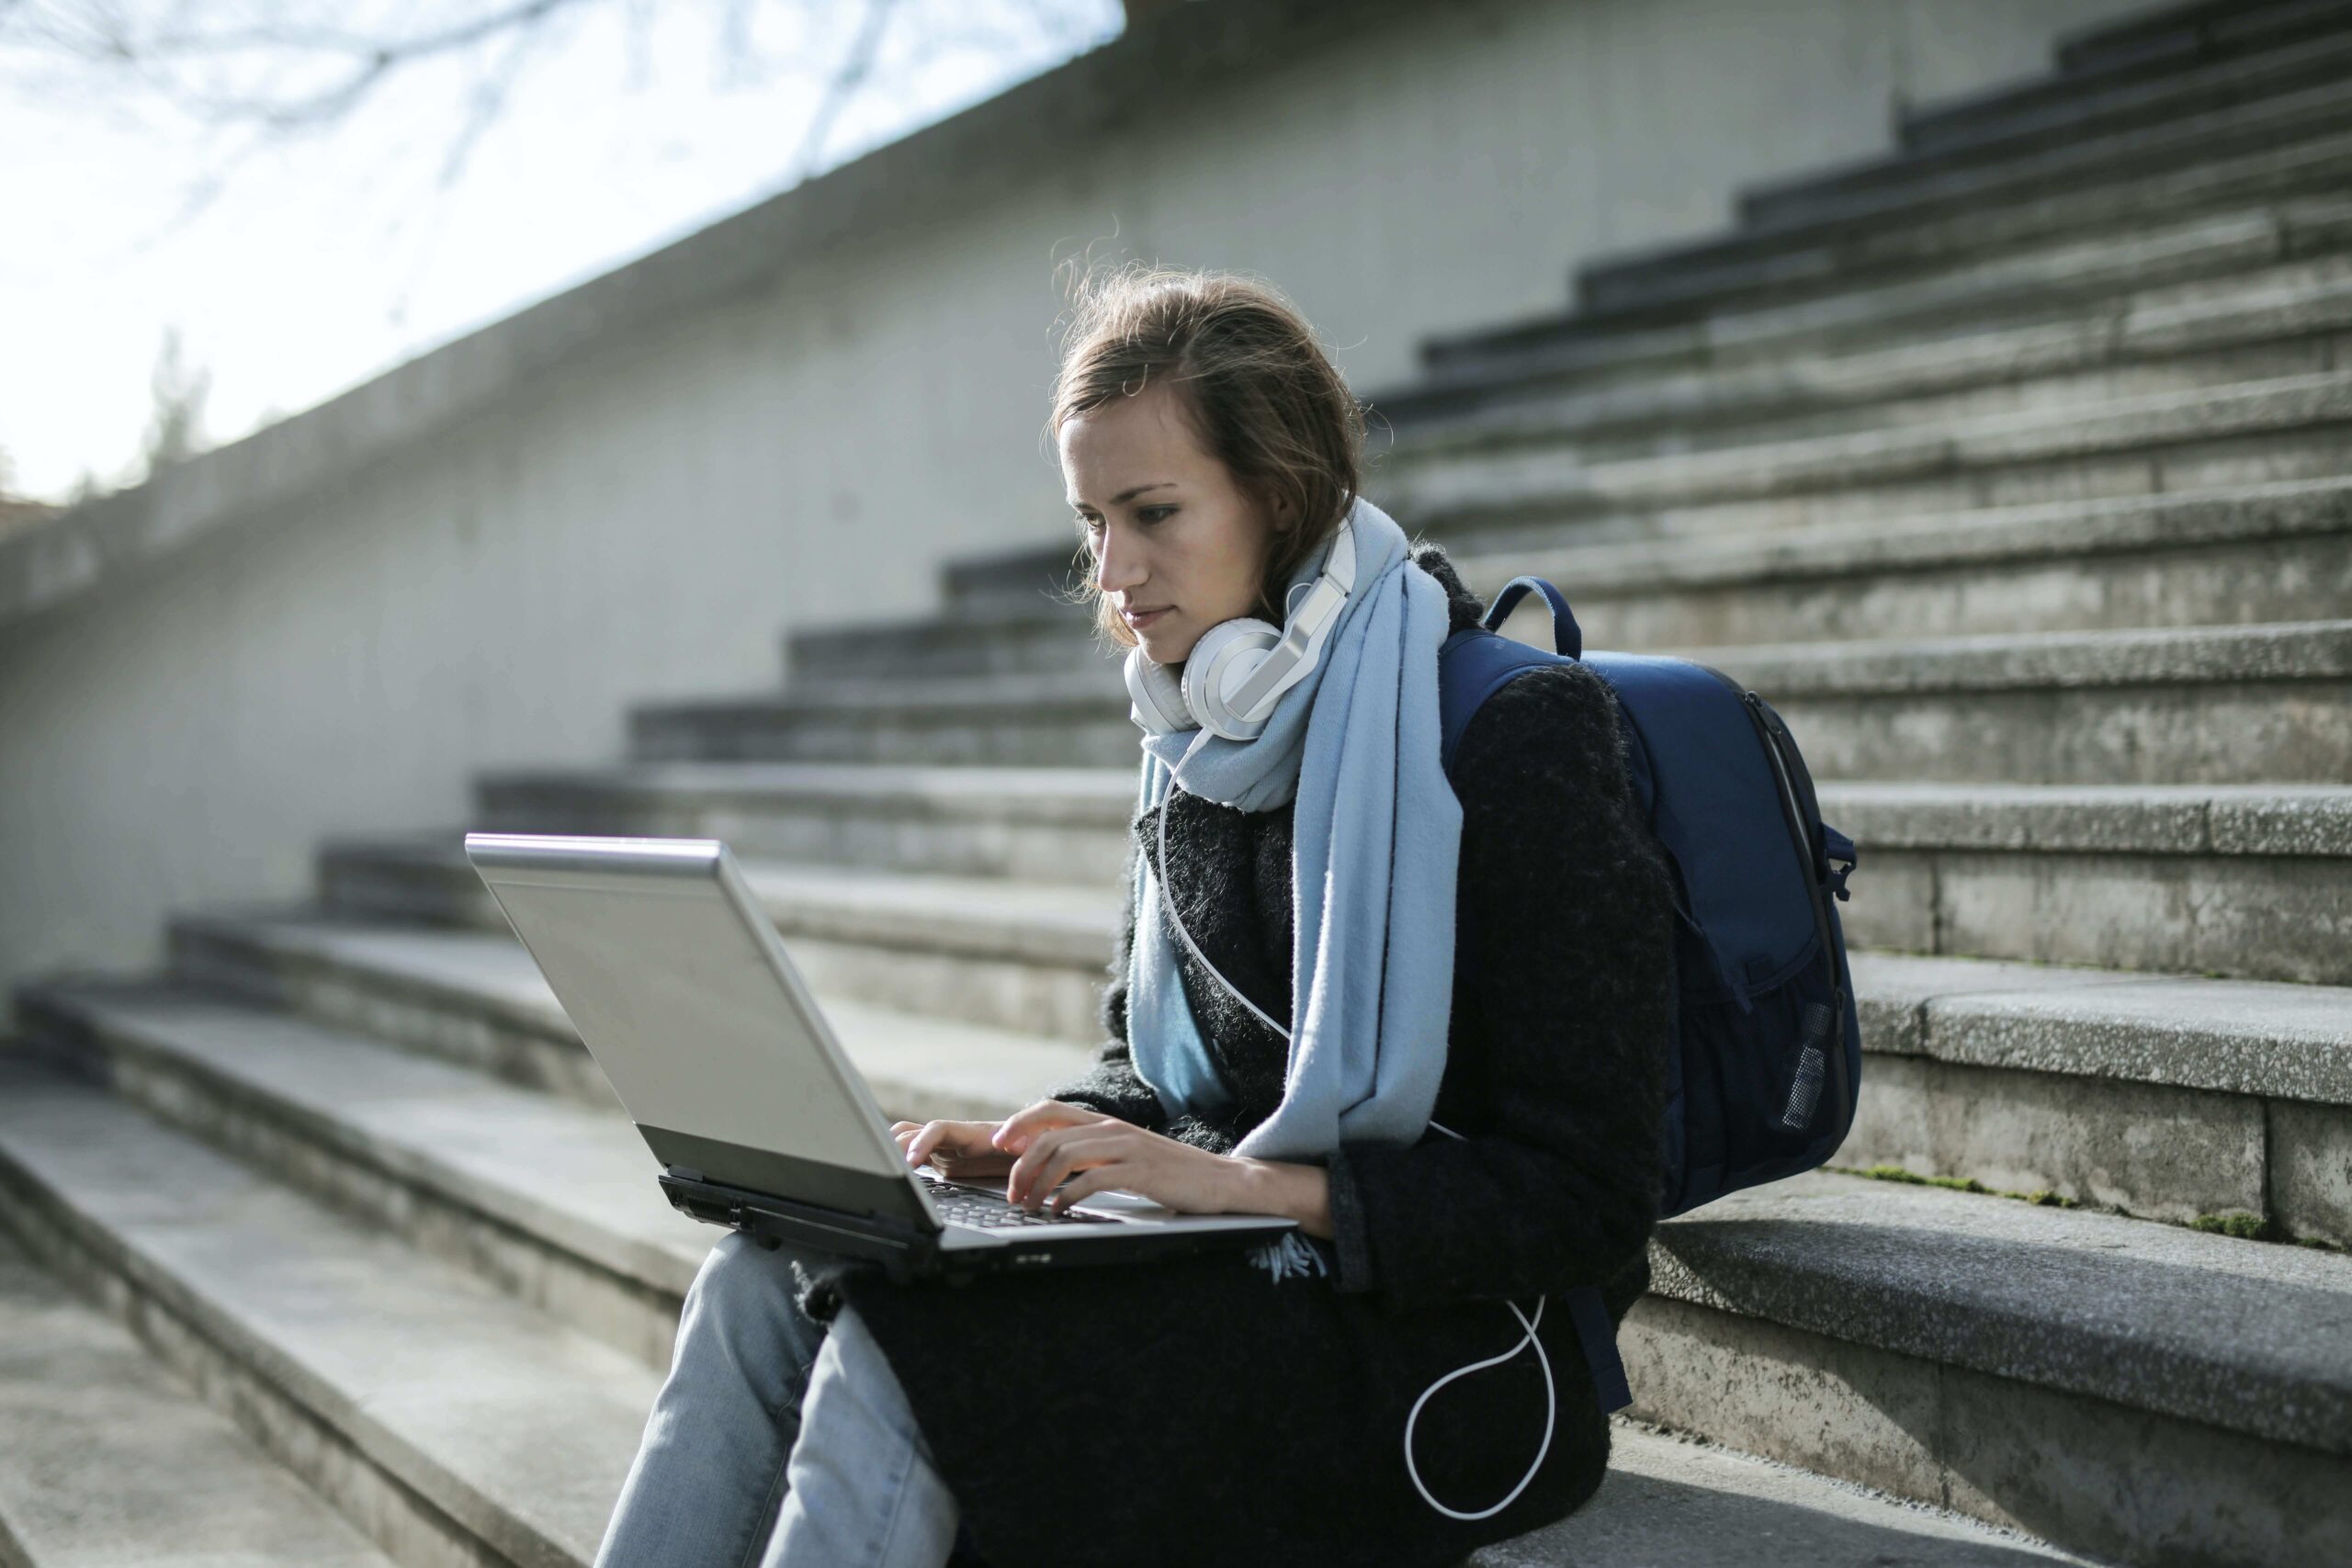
(1106, 1153)
(963, 1150)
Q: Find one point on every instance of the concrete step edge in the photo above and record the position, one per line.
(1081, 796)
(514, 1431)
(2088, 110)
(1916, 371)
(1743, 269)
(1441, 494)
(1744, 266)
(113, 1460)
(2270, 1038)
(2295, 650)
(483, 981)
(2072, 530)
(2283, 818)
(2106, 159)
(2098, 1305)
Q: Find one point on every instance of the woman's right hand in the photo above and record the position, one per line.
(963, 1150)
(960, 1149)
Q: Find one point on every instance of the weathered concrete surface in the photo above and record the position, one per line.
(2084, 1304)
(2119, 1483)
(111, 1461)
(1063, 823)
(479, 1001)
(1668, 1500)
(2311, 1171)
(2158, 1153)
(1860, 285)
(451, 1422)
(2216, 706)
(2247, 292)
(2259, 553)
(550, 1201)
(2237, 915)
(2112, 448)
(2237, 1036)
(2132, 1390)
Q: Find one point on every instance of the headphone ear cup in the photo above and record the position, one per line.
(1159, 696)
(1221, 661)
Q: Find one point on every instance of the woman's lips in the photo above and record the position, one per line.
(1139, 621)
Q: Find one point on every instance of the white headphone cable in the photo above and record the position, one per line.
(1551, 1400)
(1551, 1390)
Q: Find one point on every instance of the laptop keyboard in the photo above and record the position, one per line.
(973, 1206)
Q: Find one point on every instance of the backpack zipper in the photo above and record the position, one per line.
(1767, 730)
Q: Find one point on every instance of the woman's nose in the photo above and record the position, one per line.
(1114, 570)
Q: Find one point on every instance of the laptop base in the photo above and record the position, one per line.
(907, 1254)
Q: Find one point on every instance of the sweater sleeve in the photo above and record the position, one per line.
(1112, 1085)
(1557, 1052)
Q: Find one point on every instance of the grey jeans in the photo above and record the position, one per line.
(773, 1442)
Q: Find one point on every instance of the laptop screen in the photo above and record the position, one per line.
(686, 1001)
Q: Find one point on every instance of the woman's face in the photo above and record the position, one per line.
(1170, 532)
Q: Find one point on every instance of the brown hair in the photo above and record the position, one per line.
(1251, 382)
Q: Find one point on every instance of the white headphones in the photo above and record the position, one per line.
(1240, 669)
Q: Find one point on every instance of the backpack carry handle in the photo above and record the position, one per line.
(1568, 637)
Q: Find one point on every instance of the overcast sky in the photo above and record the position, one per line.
(332, 259)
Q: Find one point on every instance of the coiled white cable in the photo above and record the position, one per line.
(1551, 1390)
(1551, 1402)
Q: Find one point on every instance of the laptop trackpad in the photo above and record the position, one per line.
(1120, 1202)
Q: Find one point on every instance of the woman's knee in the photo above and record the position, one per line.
(747, 1295)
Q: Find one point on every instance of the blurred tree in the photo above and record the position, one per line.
(176, 429)
(16, 511)
(300, 67)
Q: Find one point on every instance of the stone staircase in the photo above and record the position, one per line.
(2014, 467)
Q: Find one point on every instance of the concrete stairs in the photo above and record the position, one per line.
(111, 1460)
(2010, 467)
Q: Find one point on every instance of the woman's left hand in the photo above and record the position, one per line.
(1100, 1156)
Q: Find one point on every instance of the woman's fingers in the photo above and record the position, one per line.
(1015, 1132)
(926, 1137)
(1026, 1169)
(947, 1138)
(1059, 1153)
(1085, 1185)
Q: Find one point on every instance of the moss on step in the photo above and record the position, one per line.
(2249, 1226)
(2240, 1223)
(2043, 1197)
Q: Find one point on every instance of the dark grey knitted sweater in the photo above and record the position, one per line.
(1194, 1411)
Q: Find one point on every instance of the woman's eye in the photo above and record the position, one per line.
(1150, 517)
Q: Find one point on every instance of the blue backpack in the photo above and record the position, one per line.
(1767, 1056)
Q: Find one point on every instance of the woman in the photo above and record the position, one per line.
(1243, 1408)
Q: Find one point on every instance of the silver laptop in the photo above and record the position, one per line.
(683, 993)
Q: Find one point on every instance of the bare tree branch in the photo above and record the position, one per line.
(844, 84)
(260, 81)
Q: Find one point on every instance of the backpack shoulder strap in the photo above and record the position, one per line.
(1473, 665)
(1478, 662)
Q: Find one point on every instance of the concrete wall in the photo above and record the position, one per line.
(631, 490)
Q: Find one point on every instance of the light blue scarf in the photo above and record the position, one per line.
(1376, 847)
